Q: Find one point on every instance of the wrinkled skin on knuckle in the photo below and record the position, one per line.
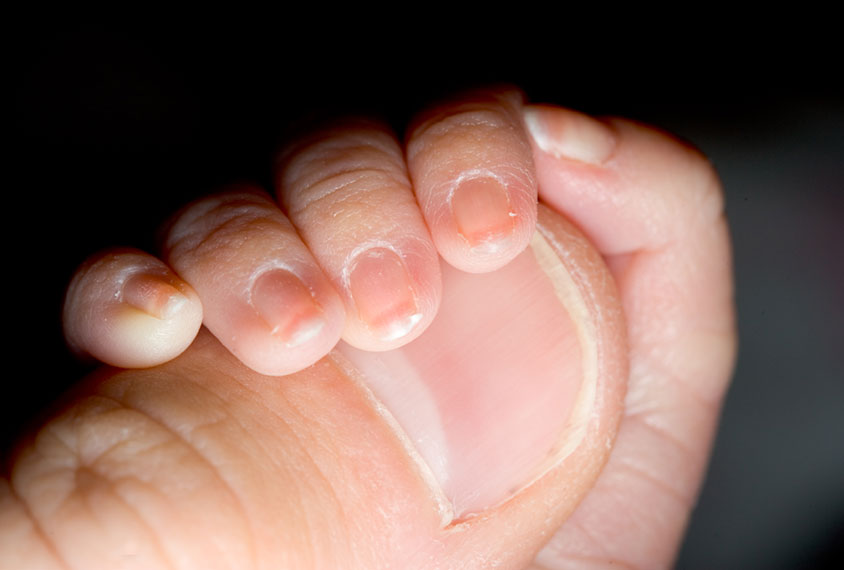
(217, 215)
(354, 146)
(86, 480)
(351, 190)
(491, 107)
(157, 467)
(475, 127)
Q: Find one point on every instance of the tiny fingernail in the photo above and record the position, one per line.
(154, 295)
(383, 294)
(568, 134)
(482, 211)
(287, 306)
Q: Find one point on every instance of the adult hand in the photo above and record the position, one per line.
(475, 413)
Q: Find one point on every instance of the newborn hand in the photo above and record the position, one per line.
(502, 367)
(349, 249)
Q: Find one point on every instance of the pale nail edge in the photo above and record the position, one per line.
(574, 303)
(583, 138)
(139, 296)
(445, 509)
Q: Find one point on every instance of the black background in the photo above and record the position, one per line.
(111, 129)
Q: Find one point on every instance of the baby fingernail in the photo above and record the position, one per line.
(287, 306)
(482, 212)
(383, 294)
(568, 134)
(154, 295)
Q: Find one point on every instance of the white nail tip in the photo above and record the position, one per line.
(304, 333)
(173, 306)
(570, 135)
(491, 246)
(537, 131)
(400, 328)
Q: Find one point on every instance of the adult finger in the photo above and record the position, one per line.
(654, 208)
(488, 443)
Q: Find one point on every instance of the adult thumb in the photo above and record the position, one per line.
(465, 449)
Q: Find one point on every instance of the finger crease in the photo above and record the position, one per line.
(206, 460)
(36, 525)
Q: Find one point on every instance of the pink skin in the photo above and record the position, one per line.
(475, 145)
(250, 458)
(346, 189)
